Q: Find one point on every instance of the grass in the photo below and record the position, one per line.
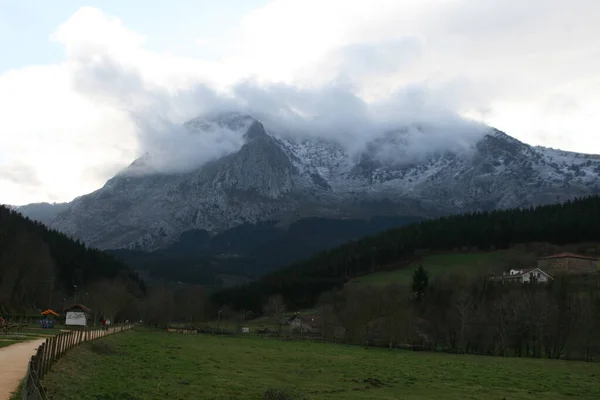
(255, 324)
(469, 263)
(144, 364)
(8, 342)
(17, 394)
(27, 333)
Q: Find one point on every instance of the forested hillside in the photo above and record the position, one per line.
(302, 283)
(249, 251)
(40, 267)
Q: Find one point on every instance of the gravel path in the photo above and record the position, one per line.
(13, 365)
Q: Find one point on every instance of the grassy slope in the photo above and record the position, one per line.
(469, 263)
(156, 365)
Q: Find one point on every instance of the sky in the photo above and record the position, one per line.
(87, 88)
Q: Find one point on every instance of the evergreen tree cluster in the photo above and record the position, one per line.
(570, 222)
(32, 256)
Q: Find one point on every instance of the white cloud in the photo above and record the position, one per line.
(531, 69)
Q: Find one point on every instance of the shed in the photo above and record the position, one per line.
(48, 318)
(76, 315)
(569, 263)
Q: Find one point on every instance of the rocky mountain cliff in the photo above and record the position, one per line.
(276, 177)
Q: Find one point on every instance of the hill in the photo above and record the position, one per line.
(40, 267)
(301, 284)
(479, 263)
(248, 251)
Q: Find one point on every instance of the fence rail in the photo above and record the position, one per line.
(52, 350)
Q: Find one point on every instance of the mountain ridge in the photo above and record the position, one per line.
(276, 176)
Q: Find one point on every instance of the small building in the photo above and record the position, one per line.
(76, 315)
(569, 263)
(533, 275)
(305, 323)
(48, 319)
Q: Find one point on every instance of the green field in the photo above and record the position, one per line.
(468, 263)
(268, 322)
(144, 364)
(28, 333)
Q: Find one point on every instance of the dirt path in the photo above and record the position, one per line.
(13, 365)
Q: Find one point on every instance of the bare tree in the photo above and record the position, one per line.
(275, 307)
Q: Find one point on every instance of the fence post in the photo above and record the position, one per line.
(63, 337)
(54, 343)
(39, 359)
(46, 354)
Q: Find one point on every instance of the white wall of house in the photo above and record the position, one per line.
(534, 275)
(515, 271)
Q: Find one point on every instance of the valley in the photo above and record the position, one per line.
(300, 200)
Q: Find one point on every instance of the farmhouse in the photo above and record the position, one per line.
(533, 275)
(305, 323)
(568, 263)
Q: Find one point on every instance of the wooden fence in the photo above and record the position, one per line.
(52, 350)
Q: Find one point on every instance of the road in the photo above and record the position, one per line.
(13, 365)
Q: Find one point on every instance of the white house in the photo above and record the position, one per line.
(526, 275)
(305, 323)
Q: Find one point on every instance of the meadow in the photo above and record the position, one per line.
(30, 332)
(147, 364)
(438, 264)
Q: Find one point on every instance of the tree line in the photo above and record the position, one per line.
(301, 284)
(41, 268)
(461, 314)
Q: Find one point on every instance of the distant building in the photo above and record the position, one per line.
(305, 323)
(76, 315)
(568, 263)
(532, 275)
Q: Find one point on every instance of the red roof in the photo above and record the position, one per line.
(77, 307)
(568, 255)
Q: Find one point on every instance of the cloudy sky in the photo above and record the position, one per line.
(86, 89)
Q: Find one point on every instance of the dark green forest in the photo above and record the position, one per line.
(301, 283)
(248, 251)
(40, 267)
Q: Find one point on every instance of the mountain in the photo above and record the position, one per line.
(42, 212)
(35, 260)
(281, 177)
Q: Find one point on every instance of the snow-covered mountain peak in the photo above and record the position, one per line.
(264, 175)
